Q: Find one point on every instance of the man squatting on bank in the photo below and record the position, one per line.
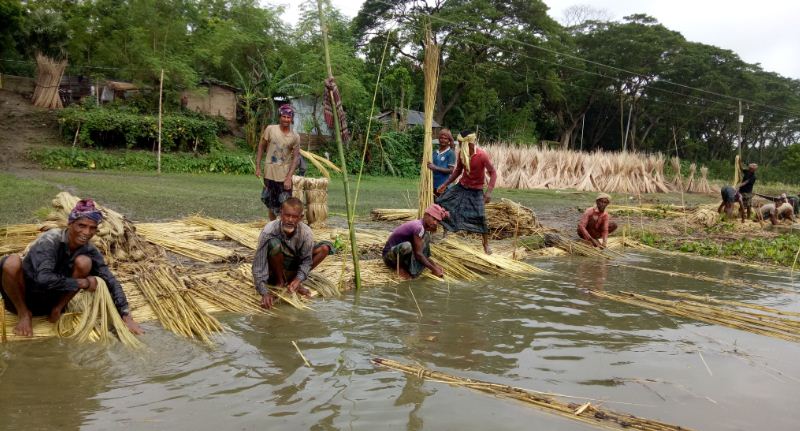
(408, 248)
(59, 264)
(286, 253)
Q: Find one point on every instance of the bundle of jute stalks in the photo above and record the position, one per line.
(504, 218)
(116, 236)
(316, 191)
(299, 187)
(48, 78)
(586, 413)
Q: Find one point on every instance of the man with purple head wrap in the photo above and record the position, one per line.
(59, 263)
(281, 145)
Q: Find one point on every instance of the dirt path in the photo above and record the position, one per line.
(22, 127)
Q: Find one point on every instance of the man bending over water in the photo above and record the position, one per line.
(408, 248)
(595, 225)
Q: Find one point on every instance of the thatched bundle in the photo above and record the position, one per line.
(116, 236)
(537, 168)
(48, 79)
(316, 191)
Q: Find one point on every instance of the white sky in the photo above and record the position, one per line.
(761, 31)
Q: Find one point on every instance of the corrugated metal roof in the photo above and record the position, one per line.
(413, 118)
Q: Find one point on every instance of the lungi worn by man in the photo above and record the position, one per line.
(465, 201)
(282, 148)
(729, 197)
(286, 253)
(60, 263)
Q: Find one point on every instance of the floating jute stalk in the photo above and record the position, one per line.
(431, 71)
(338, 132)
(585, 413)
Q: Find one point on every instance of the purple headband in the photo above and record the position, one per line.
(85, 208)
(286, 109)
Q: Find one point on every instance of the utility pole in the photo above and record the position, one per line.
(740, 120)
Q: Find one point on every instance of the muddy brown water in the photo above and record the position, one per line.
(544, 333)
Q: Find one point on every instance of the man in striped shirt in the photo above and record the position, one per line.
(286, 253)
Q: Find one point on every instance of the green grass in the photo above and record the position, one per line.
(146, 196)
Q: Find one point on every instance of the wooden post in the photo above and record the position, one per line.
(338, 132)
(680, 182)
(160, 91)
(739, 121)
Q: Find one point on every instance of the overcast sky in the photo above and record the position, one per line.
(760, 31)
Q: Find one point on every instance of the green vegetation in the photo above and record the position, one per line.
(780, 250)
(114, 128)
(140, 161)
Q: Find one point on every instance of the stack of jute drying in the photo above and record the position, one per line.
(116, 236)
(316, 192)
(431, 71)
(48, 79)
(520, 167)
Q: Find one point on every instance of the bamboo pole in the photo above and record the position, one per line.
(350, 211)
(160, 92)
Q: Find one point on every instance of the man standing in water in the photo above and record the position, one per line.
(746, 186)
(60, 263)
(408, 248)
(443, 161)
(595, 225)
(282, 148)
(729, 197)
(465, 201)
(286, 253)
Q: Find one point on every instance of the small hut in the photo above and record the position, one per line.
(212, 98)
(113, 90)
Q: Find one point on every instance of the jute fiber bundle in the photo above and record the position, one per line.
(585, 413)
(703, 186)
(185, 245)
(15, 238)
(172, 302)
(537, 168)
(740, 316)
(431, 72)
(94, 317)
(677, 179)
(690, 182)
(316, 201)
(116, 236)
(48, 79)
(321, 163)
(245, 236)
(299, 187)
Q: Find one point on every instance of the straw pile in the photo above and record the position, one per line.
(14, 238)
(316, 190)
(174, 305)
(585, 413)
(94, 317)
(702, 185)
(504, 218)
(737, 315)
(537, 168)
(245, 236)
(116, 236)
(48, 79)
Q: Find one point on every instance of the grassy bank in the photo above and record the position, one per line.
(147, 196)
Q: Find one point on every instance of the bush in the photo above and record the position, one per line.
(215, 162)
(124, 128)
(390, 153)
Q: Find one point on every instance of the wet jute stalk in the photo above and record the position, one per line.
(585, 413)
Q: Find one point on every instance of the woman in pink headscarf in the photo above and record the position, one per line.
(408, 248)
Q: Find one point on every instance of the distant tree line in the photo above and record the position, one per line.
(506, 67)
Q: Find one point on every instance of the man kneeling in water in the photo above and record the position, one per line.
(595, 224)
(408, 248)
(286, 253)
(60, 263)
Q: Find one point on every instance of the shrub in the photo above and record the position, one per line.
(215, 162)
(123, 128)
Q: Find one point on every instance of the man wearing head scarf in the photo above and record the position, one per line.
(443, 160)
(595, 225)
(59, 263)
(746, 186)
(465, 201)
(408, 248)
(281, 145)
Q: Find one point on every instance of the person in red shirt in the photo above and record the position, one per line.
(595, 225)
(465, 201)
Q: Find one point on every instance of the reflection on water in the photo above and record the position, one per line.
(546, 333)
